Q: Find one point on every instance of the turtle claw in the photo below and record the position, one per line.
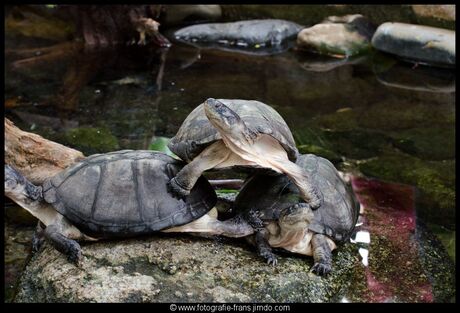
(270, 257)
(321, 269)
(175, 189)
(74, 253)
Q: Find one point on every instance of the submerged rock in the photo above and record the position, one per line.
(180, 269)
(338, 35)
(421, 78)
(431, 45)
(252, 34)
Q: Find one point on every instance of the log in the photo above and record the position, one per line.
(34, 156)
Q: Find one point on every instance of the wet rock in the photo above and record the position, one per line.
(434, 179)
(435, 143)
(437, 263)
(179, 269)
(400, 267)
(181, 13)
(417, 43)
(245, 35)
(338, 35)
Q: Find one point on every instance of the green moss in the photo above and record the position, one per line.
(91, 140)
(320, 151)
(427, 143)
(341, 120)
(447, 238)
(161, 144)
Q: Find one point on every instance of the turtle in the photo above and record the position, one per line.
(272, 213)
(117, 194)
(223, 133)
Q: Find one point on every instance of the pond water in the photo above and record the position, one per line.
(372, 116)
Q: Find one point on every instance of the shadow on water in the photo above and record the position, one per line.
(372, 116)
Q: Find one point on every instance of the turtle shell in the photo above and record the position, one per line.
(196, 132)
(124, 193)
(337, 215)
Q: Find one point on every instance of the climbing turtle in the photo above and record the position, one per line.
(236, 133)
(118, 194)
(272, 205)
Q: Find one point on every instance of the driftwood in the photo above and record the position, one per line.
(38, 158)
(34, 156)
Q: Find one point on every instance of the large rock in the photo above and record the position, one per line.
(180, 269)
(253, 34)
(424, 44)
(338, 35)
(442, 12)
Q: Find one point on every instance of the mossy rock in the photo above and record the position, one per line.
(427, 143)
(357, 144)
(320, 151)
(395, 115)
(446, 237)
(91, 140)
(435, 180)
(342, 120)
(180, 268)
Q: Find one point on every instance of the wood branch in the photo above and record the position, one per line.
(226, 183)
(34, 156)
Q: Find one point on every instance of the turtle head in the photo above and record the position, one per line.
(228, 122)
(18, 188)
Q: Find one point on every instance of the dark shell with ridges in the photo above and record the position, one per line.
(124, 193)
(337, 215)
(196, 132)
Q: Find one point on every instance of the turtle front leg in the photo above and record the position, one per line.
(263, 247)
(67, 246)
(322, 255)
(261, 234)
(180, 185)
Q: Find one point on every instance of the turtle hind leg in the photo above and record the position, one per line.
(322, 255)
(67, 246)
(38, 237)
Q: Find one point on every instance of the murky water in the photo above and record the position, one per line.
(372, 116)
